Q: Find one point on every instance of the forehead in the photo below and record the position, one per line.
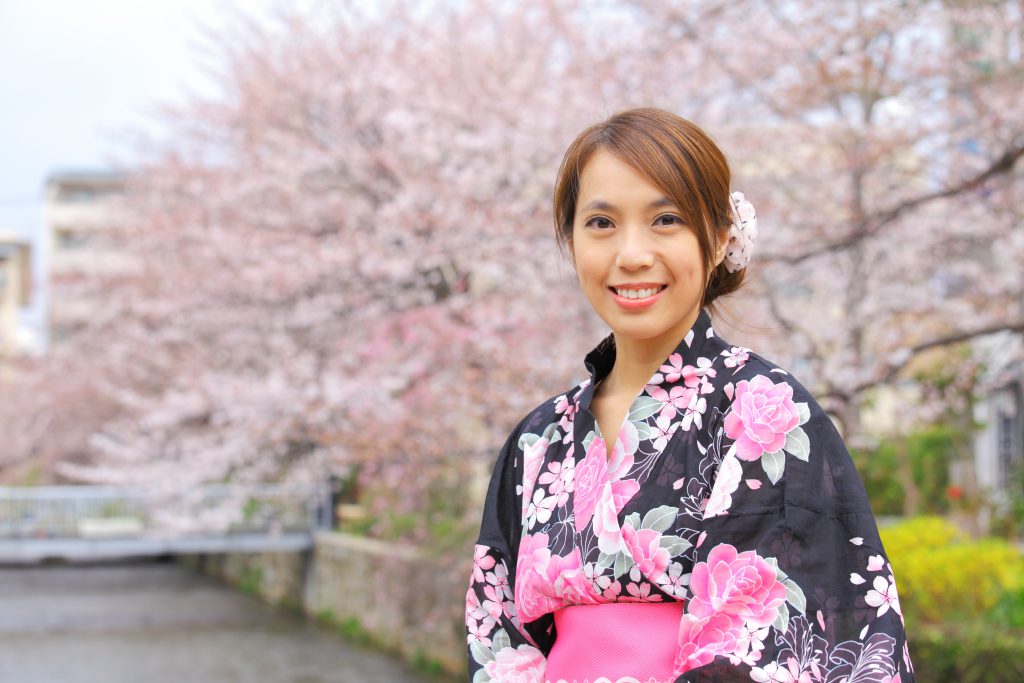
(607, 178)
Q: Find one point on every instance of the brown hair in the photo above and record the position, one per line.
(675, 156)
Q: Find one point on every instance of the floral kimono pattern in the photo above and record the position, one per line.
(728, 489)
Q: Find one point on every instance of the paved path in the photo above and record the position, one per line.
(162, 623)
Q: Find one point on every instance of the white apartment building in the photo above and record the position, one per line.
(80, 215)
(15, 294)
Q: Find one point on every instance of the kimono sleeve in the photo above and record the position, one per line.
(500, 648)
(790, 581)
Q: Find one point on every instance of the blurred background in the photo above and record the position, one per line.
(278, 278)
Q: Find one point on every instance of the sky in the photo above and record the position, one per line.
(76, 78)
(76, 74)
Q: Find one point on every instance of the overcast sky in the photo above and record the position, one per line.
(75, 73)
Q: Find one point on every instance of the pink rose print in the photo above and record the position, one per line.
(576, 588)
(644, 545)
(606, 522)
(728, 480)
(536, 591)
(742, 586)
(761, 416)
(591, 475)
(701, 639)
(622, 492)
(620, 462)
(534, 557)
(523, 664)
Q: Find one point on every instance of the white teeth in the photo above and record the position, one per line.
(637, 293)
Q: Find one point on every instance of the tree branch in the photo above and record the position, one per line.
(874, 223)
(903, 358)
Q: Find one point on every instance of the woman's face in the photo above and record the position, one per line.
(637, 262)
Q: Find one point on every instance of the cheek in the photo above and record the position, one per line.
(589, 271)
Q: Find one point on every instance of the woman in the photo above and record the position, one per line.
(688, 513)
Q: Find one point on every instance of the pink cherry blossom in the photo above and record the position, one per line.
(736, 357)
(675, 399)
(482, 561)
(670, 372)
(883, 596)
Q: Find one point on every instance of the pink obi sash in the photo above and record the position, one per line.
(620, 641)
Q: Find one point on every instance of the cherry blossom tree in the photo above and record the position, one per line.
(881, 143)
(346, 258)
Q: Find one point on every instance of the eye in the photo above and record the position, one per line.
(598, 223)
(668, 219)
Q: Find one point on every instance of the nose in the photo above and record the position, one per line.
(635, 250)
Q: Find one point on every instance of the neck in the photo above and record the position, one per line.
(636, 360)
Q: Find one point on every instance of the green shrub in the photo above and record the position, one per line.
(967, 655)
(930, 451)
(1009, 611)
(944, 576)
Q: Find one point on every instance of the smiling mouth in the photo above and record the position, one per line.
(638, 292)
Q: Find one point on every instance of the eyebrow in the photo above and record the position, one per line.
(601, 205)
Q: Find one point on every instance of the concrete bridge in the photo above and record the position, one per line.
(39, 524)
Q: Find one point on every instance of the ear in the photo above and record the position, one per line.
(722, 245)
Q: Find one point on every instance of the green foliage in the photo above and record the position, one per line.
(930, 452)
(427, 664)
(1009, 611)
(251, 580)
(349, 628)
(970, 654)
(943, 576)
(1008, 520)
(879, 469)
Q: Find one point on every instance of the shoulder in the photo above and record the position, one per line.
(758, 397)
(548, 421)
(743, 365)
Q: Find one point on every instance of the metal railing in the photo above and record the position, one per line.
(67, 512)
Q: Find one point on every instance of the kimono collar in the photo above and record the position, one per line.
(600, 360)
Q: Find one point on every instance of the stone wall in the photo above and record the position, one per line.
(278, 578)
(396, 595)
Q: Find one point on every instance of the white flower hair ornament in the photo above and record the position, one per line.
(742, 234)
